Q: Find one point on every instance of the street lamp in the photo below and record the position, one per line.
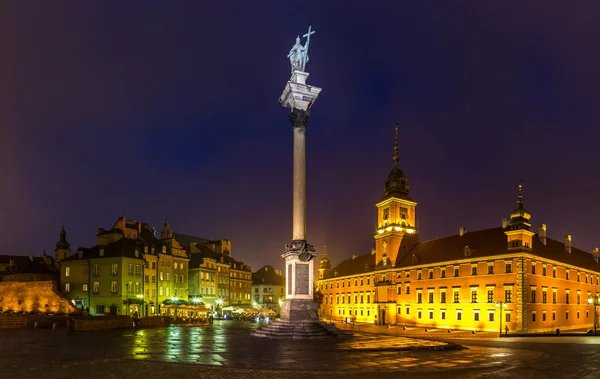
(174, 300)
(594, 302)
(140, 303)
(220, 303)
(500, 304)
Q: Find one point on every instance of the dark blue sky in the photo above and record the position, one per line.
(150, 109)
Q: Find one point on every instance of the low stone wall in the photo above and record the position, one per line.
(20, 320)
(115, 322)
(13, 321)
(33, 297)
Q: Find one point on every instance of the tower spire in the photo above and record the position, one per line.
(520, 195)
(396, 156)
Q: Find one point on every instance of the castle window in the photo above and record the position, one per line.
(403, 213)
(544, 270)
(456, 272)
(508, 296)
(459, 314)
(430, 295)
(431, 274)
(443, 272)
(443, 297)
(476, 315)
(554, 272)
(431, 314)
(474, 270)
(456, 296)
(533, 317)
(533, 293)
(533, 268)
(490, 269)
(509, 268)
(543, 315)
(85, 287)
(67, 271)
(490, 315)
(473, 296)
(419, 297)
(567, 297)
(544, 296)
(101, 252)
(419, 275)
(490, 296)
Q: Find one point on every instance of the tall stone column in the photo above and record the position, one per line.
(299, 264)
(299, 120)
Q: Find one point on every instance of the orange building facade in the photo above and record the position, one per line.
(484, 280)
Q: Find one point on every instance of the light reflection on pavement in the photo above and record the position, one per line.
(228, 344)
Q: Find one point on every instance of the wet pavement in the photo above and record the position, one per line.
(228, 348)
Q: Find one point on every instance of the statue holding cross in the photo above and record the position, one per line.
(299, 54)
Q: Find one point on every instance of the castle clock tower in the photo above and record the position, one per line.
(396, 217)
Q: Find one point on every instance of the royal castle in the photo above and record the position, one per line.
(507, 275)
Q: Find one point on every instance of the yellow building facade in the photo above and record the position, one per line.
(507, 275)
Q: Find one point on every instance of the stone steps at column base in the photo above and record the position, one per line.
(299, 330)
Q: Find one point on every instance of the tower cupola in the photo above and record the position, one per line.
(63, 247)
(519, 218)
(396, 183)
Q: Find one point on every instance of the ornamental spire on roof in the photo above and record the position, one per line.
(520, 196)
(396, 156)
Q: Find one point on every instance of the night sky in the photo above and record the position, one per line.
(169, 109)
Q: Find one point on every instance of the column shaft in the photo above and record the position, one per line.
(299, 201)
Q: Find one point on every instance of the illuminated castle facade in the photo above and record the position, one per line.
(507, 275)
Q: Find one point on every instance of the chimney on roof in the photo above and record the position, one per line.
(462, 230)
(595, 253)
(542, 233)
(568, 243)
(504, 223)
(354, 256)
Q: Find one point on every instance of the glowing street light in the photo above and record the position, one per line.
(174, 300)
(595, 302)
(500, 304)
(220, 303)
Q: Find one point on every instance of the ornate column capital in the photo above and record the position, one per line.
(299, 118)
(300, 248)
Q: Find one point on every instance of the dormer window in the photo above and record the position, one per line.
(467, 251)
(101, 252)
